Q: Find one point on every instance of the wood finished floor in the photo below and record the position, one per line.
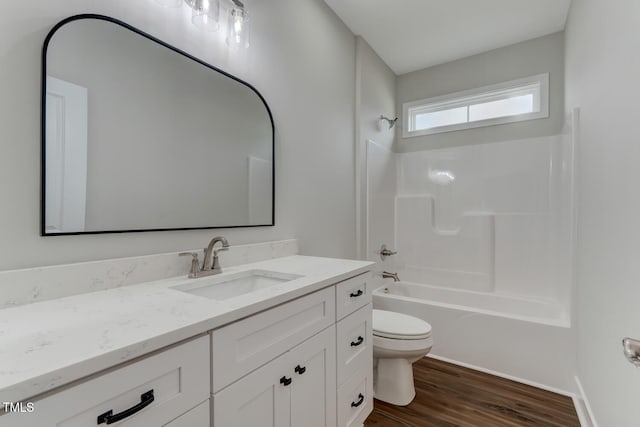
(452, 396)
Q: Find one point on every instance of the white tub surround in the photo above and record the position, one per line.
(493, 218)
(51, 343)
(31, 285)
(484, 235)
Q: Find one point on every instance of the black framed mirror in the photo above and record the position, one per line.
(138, 135)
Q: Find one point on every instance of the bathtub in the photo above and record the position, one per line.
(524, 339)
(512, 307)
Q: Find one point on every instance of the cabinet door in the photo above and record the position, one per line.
(307, 398)
(258, 399)
(313, 390)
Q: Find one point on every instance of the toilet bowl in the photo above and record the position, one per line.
(399, 340)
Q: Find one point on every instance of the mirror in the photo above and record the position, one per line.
(139, 136)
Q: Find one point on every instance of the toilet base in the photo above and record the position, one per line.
(394, 381)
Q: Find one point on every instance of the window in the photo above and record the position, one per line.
(514, 101)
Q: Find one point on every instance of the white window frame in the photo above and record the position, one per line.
(475, 96)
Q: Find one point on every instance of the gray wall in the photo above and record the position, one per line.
(375, 95)
(304, 67)
(603, 66)
(377, 88)
(541, 55)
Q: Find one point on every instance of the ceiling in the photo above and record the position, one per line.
(411, 35)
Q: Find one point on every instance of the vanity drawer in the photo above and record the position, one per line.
(352, 294)
(354, 343)
(243, 346)
(355, 398)
(171, 383)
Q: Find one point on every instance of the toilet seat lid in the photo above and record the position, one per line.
(389, 324)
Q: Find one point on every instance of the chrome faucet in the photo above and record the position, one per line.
(211, 263)
(387, 275)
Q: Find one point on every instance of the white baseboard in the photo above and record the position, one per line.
(583, 408)
(505, 376)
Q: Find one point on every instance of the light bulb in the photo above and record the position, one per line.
(238, 28)
(205, 14)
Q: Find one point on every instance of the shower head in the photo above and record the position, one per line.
(390, 122)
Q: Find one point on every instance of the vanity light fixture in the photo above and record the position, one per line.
(238, 26)
(206, 15)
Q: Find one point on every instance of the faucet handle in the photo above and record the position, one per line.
(195, 263)
(385, 252)
(192, 254)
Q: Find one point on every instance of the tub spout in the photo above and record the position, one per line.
(387, 275)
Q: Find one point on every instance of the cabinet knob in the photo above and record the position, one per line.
(285, 381)
(300, 369)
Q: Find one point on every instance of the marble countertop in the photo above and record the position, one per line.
(47, 344)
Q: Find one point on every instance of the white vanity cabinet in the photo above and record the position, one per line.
(287, 366)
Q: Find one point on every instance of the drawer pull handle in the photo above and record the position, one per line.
(359, 402)
(300, 369)
(285, 381)
(356, 294)
(356, 343)
(109, 418)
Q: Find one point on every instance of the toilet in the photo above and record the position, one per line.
(399, 340)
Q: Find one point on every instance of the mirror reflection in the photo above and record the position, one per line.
(138, 136)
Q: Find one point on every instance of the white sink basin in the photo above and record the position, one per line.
(233, 285)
